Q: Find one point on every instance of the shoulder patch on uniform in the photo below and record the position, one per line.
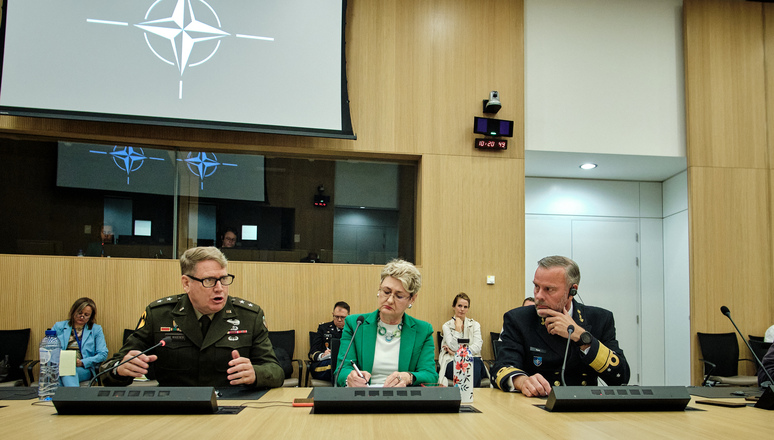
(141, 323)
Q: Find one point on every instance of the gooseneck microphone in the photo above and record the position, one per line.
(766, 401)
(570, 329)
(360, 320)
(161, 343)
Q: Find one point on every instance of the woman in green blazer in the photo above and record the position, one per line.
(390, 348)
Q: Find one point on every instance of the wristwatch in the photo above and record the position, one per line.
(585, 339)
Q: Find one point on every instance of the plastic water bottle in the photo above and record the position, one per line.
(463, 371)
(49, 366)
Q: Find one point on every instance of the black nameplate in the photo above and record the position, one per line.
(135, 400)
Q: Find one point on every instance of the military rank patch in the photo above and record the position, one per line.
(537, 360)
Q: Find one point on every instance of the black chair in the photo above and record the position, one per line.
(285, 340)
(495, 343)
(14, 343)
(759, 348)
(720, 354)
(335, 344)
(309, 380)
(755, 338)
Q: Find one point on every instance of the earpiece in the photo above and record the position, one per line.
(573, 291)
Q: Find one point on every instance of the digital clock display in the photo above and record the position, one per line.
(491, 144)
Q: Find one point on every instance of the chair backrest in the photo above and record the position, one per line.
(759, 348)
(335, 344)
(495, 343)
(127, 332)
(286, 341)
(439, 341)
(755, 338)
(14, 343)
(722, 349)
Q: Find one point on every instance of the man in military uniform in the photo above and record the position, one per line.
(215, 340)
(533, 344)
(320, 350)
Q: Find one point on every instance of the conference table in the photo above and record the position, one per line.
(500, 415)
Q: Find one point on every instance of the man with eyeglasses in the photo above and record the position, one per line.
(216, 340)
(320, 350)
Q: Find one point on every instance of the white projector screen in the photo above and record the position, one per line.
(272, 66)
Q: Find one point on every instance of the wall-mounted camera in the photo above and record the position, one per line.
(492, 105)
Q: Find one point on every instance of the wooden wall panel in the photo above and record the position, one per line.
(729, 169)
(724, 81)
(472, 236)
(418, 72)
(730, 252)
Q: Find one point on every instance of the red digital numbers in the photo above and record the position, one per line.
(491, 144)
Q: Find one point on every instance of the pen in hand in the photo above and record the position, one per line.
(359, 373)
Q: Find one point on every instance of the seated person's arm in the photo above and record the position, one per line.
(606, 357)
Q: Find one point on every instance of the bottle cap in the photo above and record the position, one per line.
(50, 332)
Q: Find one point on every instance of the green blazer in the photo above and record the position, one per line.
(417, 348)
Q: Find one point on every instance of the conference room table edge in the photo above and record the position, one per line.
(500, 415)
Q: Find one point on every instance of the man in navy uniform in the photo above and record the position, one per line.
(320, 350)
(216, 340)
(534, 339)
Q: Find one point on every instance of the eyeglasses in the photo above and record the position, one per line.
(387, 293)
(210, 282)
(339, 317)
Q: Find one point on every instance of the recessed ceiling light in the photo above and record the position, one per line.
(588, 166)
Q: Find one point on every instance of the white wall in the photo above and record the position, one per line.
(664, 329)
(677, 313)
(604, 76)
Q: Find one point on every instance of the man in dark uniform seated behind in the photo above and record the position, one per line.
(320, 350)
(216, 340)
(533, 344)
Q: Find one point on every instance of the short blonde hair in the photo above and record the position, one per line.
(194, 256)
(406, 273)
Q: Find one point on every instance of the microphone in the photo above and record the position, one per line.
(161, 343)
(570, 329)
(360, 320)
(766, 401)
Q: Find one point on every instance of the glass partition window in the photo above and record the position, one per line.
(97, 200)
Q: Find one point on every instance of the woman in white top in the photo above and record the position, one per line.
(460, 327)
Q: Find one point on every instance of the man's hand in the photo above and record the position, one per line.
(532, 386)
(137, 366)
(354, 379)
(241, 371)
(557, 323)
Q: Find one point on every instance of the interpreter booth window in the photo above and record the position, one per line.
(105, 200)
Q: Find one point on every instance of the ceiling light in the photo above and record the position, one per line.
(588, 166)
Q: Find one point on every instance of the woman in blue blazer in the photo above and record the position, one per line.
(81, 334)
(390, 348)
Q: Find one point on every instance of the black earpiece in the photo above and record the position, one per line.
(573, 291)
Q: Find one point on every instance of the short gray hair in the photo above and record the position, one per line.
(406, 273)
(571, 270)
(194, 256)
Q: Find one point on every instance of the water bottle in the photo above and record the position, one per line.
(463, 371)
(49, 366)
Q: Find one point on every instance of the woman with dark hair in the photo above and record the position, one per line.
(460, 327)
(81, 334)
